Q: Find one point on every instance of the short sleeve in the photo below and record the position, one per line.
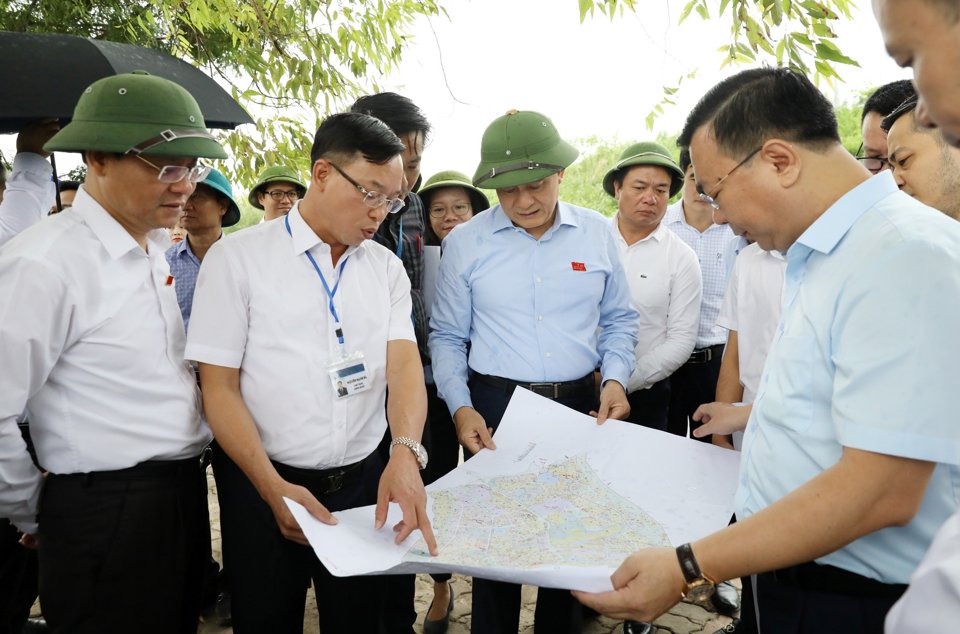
(220, 316)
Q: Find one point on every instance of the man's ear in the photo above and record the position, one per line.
(320, 173)
(783, 157)
(96, 161)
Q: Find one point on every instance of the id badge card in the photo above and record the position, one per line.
(349, 375)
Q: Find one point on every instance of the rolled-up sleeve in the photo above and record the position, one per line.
(897, 397)
(220, 316)
(450, 328)
(618, 323)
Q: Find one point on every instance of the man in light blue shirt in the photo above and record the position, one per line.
(535, 287)
(850, 458)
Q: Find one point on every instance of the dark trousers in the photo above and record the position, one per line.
(788, 609)
(443, 450)
(649, 407)
(123, 549)
(692, 385)
(18, 580)
(496, 604)
(18, 568)
(269, 574)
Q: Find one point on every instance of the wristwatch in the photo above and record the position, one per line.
(414, 446)
(698, 585)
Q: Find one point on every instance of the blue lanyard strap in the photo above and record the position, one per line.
(330, 293)
(400, 239)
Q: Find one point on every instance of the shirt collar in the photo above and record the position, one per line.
(303, 237)
(111, 234)
(827, 230)
(565, 216)
(182, 247)
(657, 234)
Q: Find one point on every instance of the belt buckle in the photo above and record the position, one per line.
(206, 455)
(335, 482)
(555, 387)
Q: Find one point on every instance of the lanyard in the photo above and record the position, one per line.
(400, 239)
(330, 293)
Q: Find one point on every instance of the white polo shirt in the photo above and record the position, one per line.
(260, 306)
(751, 307)
(665, 287)
(91, 343)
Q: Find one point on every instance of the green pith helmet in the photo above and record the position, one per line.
(274, 174)
(646, 153)
(137, 113)
(216, 180)
(452, 178)
(521, 147)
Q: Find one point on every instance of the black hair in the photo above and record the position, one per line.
(746, 109)
(347, 134)
(685, 158)
(399, 113)
(887, 97)
(906, 107)
(68, 185)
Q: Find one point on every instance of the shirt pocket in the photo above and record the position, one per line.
(788, 385)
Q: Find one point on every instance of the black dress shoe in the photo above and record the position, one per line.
(636, 627)
(726, 599)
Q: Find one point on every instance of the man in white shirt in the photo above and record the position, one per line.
(662, 272)
(91, 342)
(300, 326)
(27, 192)
(695, 382)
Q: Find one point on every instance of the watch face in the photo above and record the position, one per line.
(700, 590)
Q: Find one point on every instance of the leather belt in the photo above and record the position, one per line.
(325, 481)
(830, 579)
(584, 386)
(151, 469)
(706, 355)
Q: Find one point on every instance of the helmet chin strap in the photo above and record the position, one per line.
(514, 167)
(165, 137)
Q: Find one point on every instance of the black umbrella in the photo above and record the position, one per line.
(43, 75)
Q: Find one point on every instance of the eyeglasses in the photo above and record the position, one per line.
(373, 199)
(279, 194)
(176, 173)
(460, 209)
(875, 164)
(710, 199)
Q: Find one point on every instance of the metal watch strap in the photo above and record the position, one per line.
(410, 444)
(688, 563)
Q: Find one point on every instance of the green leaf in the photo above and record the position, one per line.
(586, 6)
(828, 51)
(686, 10)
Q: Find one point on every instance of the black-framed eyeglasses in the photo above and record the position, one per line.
(460, 209)
(176, 173)
(875, 164)
(709, 199)
(373, 199)
(279, 194)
